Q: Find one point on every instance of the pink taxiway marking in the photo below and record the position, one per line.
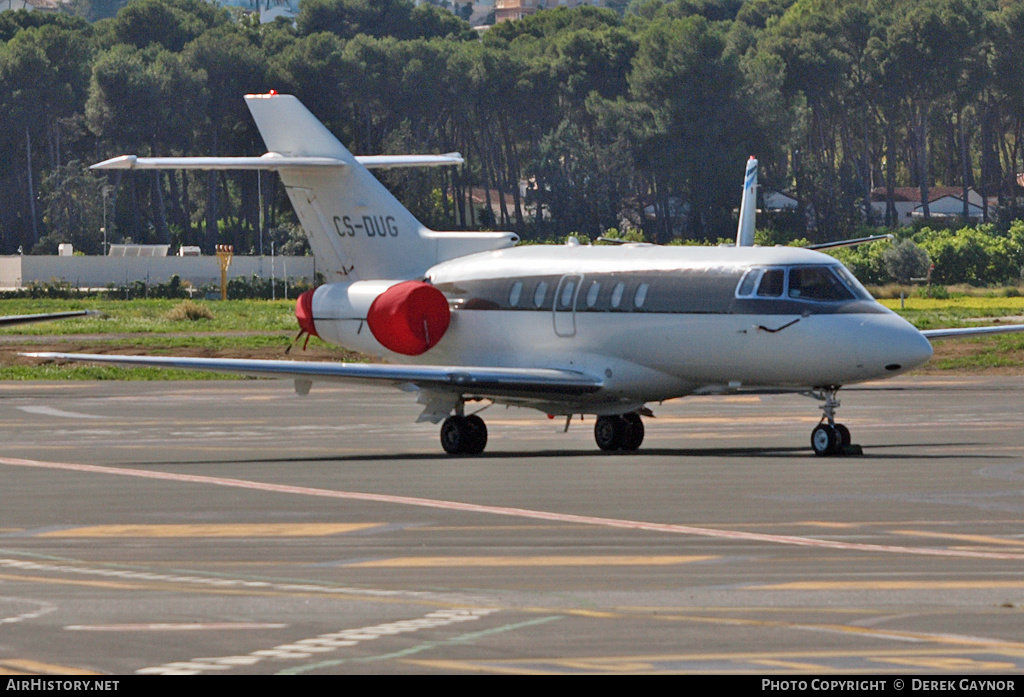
(513, 512)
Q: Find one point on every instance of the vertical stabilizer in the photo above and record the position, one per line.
(356, 228)
(748, 206)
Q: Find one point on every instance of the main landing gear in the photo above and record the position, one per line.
(467, 435)
(828, 437)
(625, 432)
(463, 435)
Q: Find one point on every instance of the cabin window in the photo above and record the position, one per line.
(592, 292)
(816, 283)
(617, 292)
(514, 293)
(565, 300)
(540, 294)
(640, 295)
(772, 283)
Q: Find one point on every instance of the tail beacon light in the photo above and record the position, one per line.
(409, 318)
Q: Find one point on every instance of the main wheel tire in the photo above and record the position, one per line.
(455, 435)
(477, 440)
(634, 431)
(825, 440)
(609, 432)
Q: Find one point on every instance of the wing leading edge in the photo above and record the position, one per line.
(971, 331)
(481, 381)
(13, 320)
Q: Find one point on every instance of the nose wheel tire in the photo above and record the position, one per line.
(624, 432)
(844, 434)
(829, 440)
(464, 435)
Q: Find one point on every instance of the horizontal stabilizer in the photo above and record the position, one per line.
(393, 161)
(274, 162)
(481, 381)
(850, 243)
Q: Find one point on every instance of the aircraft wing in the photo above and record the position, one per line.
(12, 320)
(482, 381)
(971, 331)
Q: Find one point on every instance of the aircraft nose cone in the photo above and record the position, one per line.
(902, 348)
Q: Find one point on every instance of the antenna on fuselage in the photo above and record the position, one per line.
(748, 206)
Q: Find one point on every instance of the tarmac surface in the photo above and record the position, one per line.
(234, 527)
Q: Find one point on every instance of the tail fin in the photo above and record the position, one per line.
(351, 219)
(356, 228)
(748, 206)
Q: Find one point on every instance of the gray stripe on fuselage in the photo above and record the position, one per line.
(685, 291)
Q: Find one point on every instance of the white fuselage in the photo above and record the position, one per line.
(681, 323)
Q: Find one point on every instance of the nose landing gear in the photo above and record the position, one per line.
(829, 438)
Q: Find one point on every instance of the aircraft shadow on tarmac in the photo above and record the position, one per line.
(805, 453)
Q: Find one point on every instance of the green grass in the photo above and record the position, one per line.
(151, 316)
(930, 313)
(83, 371)
(242, 327)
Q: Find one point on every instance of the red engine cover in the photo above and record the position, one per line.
(304, 313)
(409, 318)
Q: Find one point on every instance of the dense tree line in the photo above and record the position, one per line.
(572, 121)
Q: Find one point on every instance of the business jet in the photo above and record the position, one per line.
(465, 318)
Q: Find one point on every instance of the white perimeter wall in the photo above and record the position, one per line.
(102, 271)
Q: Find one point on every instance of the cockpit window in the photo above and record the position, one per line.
(772, 283)
(852, 283)
(748, 282)
(816, 283)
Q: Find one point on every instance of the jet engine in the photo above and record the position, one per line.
(406, 317)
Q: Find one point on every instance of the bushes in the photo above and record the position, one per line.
(240, 288)
(977, 256)
(188, 310)
(905, 262)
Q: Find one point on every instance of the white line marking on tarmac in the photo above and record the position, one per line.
(232, 583)
(325, 643)
(51, 411)
(514, 512)
(44, 608)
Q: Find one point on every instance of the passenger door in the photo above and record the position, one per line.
(564, 305)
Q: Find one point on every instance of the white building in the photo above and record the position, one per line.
(18, 271)
(269, 10)
(40, 5)
(944, 203)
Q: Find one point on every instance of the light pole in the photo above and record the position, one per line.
(106, 192)
(259, 188)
